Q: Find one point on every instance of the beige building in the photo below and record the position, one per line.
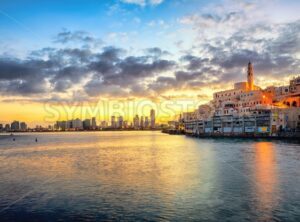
(246, 95)
(272, 109)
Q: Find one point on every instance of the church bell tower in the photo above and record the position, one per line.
(250, 76)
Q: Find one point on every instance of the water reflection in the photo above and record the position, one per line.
(145, 176)
(123, 173)
(266, 179)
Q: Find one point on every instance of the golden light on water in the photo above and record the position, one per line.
(266, 178)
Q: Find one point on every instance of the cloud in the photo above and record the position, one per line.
(81, 37)
(23, 77)
(156, 52)
(194, 62)
(226, 38)
(143, 2)
(229, 34)
(128, 73)
(110, 72)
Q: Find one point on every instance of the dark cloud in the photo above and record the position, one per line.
(24, 87)
(11, 69)
(162, 84)
(114, 72)
(184, 76)
(288, 41)
(77, 36)
(111, 54)
(23, 77)
(126, 73)
(271, 56)
(99, 88)
(156, 52)
(237, 58)
(108, 72)
(194, 62)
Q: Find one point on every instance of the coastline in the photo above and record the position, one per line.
(76, 131)
(295, 136)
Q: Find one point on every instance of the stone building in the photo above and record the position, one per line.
(247, 108)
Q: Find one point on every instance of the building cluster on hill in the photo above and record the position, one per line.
(247, 109)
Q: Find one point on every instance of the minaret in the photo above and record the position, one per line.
(250, 76)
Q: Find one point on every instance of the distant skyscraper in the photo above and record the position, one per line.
(87, 124)
(113, 122)
(68, 124)
(15, 125)
(142, 125)
(23, 126)
(104, 124)
(136, 122)
(65, 125)
(146, 122)
(152, 118)
(61, 125)
(120, 122)
(94, 123)
(77, 124)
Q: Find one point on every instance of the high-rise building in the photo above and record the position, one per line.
(113, 122)
(146, 122)
(87, 124)
(23, 126)
(104, 124)
(77, 124)
(61, 125)
(69, 124)
(152, 118)
(15, 125)
(136, 122)
(142, 124)
(65, 125)
(94, 123)
(120, 122)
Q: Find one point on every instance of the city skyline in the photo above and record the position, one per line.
(149, 110)
(117, 122)
(77, 54)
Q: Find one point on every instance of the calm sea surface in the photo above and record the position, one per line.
(147, 176)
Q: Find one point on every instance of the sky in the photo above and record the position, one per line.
(82, 58)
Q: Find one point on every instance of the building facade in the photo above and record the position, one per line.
(247, 108)
(152, 118)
